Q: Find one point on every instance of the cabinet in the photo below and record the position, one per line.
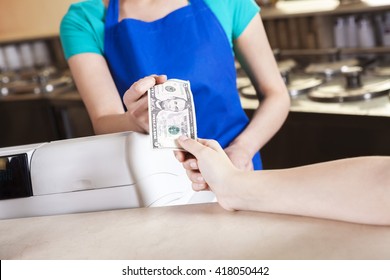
(308, 138)
(32, 118)
(306, 28)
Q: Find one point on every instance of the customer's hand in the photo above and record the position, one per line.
(208, 167)
(136, 101)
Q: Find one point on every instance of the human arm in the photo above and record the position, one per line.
(102, 100)
(354, 190)
(256, 57)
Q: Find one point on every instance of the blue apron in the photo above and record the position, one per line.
(188, 44)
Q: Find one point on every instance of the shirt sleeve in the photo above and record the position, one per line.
(243, 12)
(82, 28)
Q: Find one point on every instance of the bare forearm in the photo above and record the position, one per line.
(115, 123)
(266, 121)
(354, 190)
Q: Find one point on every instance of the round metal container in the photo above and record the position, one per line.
(353, 87)
(45, 80)
(382, 71)
(330, 69)
(6, 77)
(20, 87)
(296, 86)
(301, 84)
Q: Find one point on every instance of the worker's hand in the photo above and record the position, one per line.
(208, 167)
(239, 157)
(136, 100)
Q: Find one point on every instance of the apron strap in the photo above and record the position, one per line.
(112, 13)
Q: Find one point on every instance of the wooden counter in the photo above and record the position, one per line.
(201, 231)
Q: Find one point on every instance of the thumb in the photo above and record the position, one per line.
(190, 145)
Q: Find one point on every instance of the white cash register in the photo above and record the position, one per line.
(94, 173)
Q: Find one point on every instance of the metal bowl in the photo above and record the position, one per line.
(354, 87)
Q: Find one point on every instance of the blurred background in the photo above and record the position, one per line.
(333, 55)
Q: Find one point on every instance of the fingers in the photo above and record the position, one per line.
(160, 79)
(138, 112)
(200, 187)
(183, 156)
(198, 182)
(190, 164)
(138, 108)
(190, 145)
(196, 147)
(211, 144)
(136, 101)
(138, 89)
(179, 155)
(195, 176)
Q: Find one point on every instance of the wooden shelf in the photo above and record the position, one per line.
(306, 28)
(333, 51)
(375, 50)
(320, 8)
(309, 52)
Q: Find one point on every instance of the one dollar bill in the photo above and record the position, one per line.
(171, 113)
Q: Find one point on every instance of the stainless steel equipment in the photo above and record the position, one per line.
(354, 87)
(45, 80)
(90, 174)
(330, 70)
(297, 83)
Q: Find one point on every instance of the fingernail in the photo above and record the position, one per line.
(145, 82)
(200, 179)
(193, 165)
(197, 187)
(183, 138)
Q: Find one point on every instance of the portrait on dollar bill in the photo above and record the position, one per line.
(171, 113)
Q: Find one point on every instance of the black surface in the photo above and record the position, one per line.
(307, 138)
(15, 179)
(42, 120)
(26, 122)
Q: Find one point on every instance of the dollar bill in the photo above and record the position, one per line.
(171, 113)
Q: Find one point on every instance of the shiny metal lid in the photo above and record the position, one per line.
(353, 87)
(302, 84)
(297, 85)
(34, 82)
(20, 87)
(330, 69)
(382, 71)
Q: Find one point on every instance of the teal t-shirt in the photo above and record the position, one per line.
(82, 27)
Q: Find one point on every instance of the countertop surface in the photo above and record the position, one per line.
(71, 95)
(199, 231)
(378, 106)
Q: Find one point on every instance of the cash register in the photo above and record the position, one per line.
(95, 173)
